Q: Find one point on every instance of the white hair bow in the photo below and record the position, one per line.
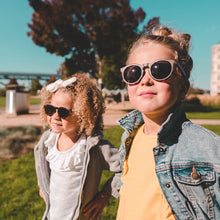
(52, 87)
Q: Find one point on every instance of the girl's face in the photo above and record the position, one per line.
(153, 98)
(69, 125)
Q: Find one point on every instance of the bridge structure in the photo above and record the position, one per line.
(26, 77)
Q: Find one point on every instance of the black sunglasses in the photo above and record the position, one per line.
(62, 112)
(159, 70)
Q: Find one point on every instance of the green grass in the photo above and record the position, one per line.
(114, 135)
(214, 128)
(19, 192)
(2, 101)
(202, 112)
(33, 101)
(203, 115)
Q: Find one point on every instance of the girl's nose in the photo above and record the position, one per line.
(56, 115)
(147, 80)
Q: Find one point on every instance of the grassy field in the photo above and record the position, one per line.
(19, 192)
(33, 101)
(2, 101)
(202, 111)
(215, 128)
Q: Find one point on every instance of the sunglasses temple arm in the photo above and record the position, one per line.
(181, 70)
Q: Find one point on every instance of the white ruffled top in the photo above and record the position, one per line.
(71, 159)
(66, 176)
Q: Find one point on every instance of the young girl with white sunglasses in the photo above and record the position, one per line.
(71, 156)
(171, 167)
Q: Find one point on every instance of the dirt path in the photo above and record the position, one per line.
(113, 113)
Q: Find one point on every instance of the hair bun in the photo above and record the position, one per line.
(184, 41)
(162, 31)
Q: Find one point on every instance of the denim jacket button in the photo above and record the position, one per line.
(194, 174)
(167, 185)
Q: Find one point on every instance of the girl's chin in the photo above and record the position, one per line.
(56, 129)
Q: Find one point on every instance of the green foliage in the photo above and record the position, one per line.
(193, 90)
(2, 92)
(14, 140)
(111, 77)
(84, 32)
(35, 86)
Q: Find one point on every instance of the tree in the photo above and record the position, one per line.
(86, 33)
(152, 23)
(35, 86)
(195, 90)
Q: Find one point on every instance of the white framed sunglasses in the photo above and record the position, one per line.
(159, 70)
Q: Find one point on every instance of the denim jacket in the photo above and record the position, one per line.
(187, 164)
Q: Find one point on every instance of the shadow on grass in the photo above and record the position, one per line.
(188, 107)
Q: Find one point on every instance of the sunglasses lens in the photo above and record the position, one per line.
(132, 74)
(63, 112)
(49, 110)
(160, 70)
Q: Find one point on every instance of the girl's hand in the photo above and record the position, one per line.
(96, 206)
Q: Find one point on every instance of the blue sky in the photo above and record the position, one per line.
(200, 18)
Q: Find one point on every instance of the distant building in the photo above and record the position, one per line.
(215, 70)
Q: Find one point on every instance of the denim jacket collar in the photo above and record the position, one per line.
(168, 132)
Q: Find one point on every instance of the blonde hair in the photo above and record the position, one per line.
(177, 42)
(87, 104)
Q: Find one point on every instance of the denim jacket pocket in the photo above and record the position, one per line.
(194, 174)
(196, 182)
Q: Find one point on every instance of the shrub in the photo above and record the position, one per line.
(2, 92)
(15, 141)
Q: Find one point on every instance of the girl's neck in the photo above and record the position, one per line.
(153, 123)
(66, 142)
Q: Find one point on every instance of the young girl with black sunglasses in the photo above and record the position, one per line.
(71, 156)
(171, 167)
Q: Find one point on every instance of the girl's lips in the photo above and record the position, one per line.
(56, 124)
(147, 94)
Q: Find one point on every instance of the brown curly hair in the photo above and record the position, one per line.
(87, 103)
(177, 42)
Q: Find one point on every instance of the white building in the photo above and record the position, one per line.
(215, 70)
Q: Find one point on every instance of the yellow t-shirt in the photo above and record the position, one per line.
(141, 197)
